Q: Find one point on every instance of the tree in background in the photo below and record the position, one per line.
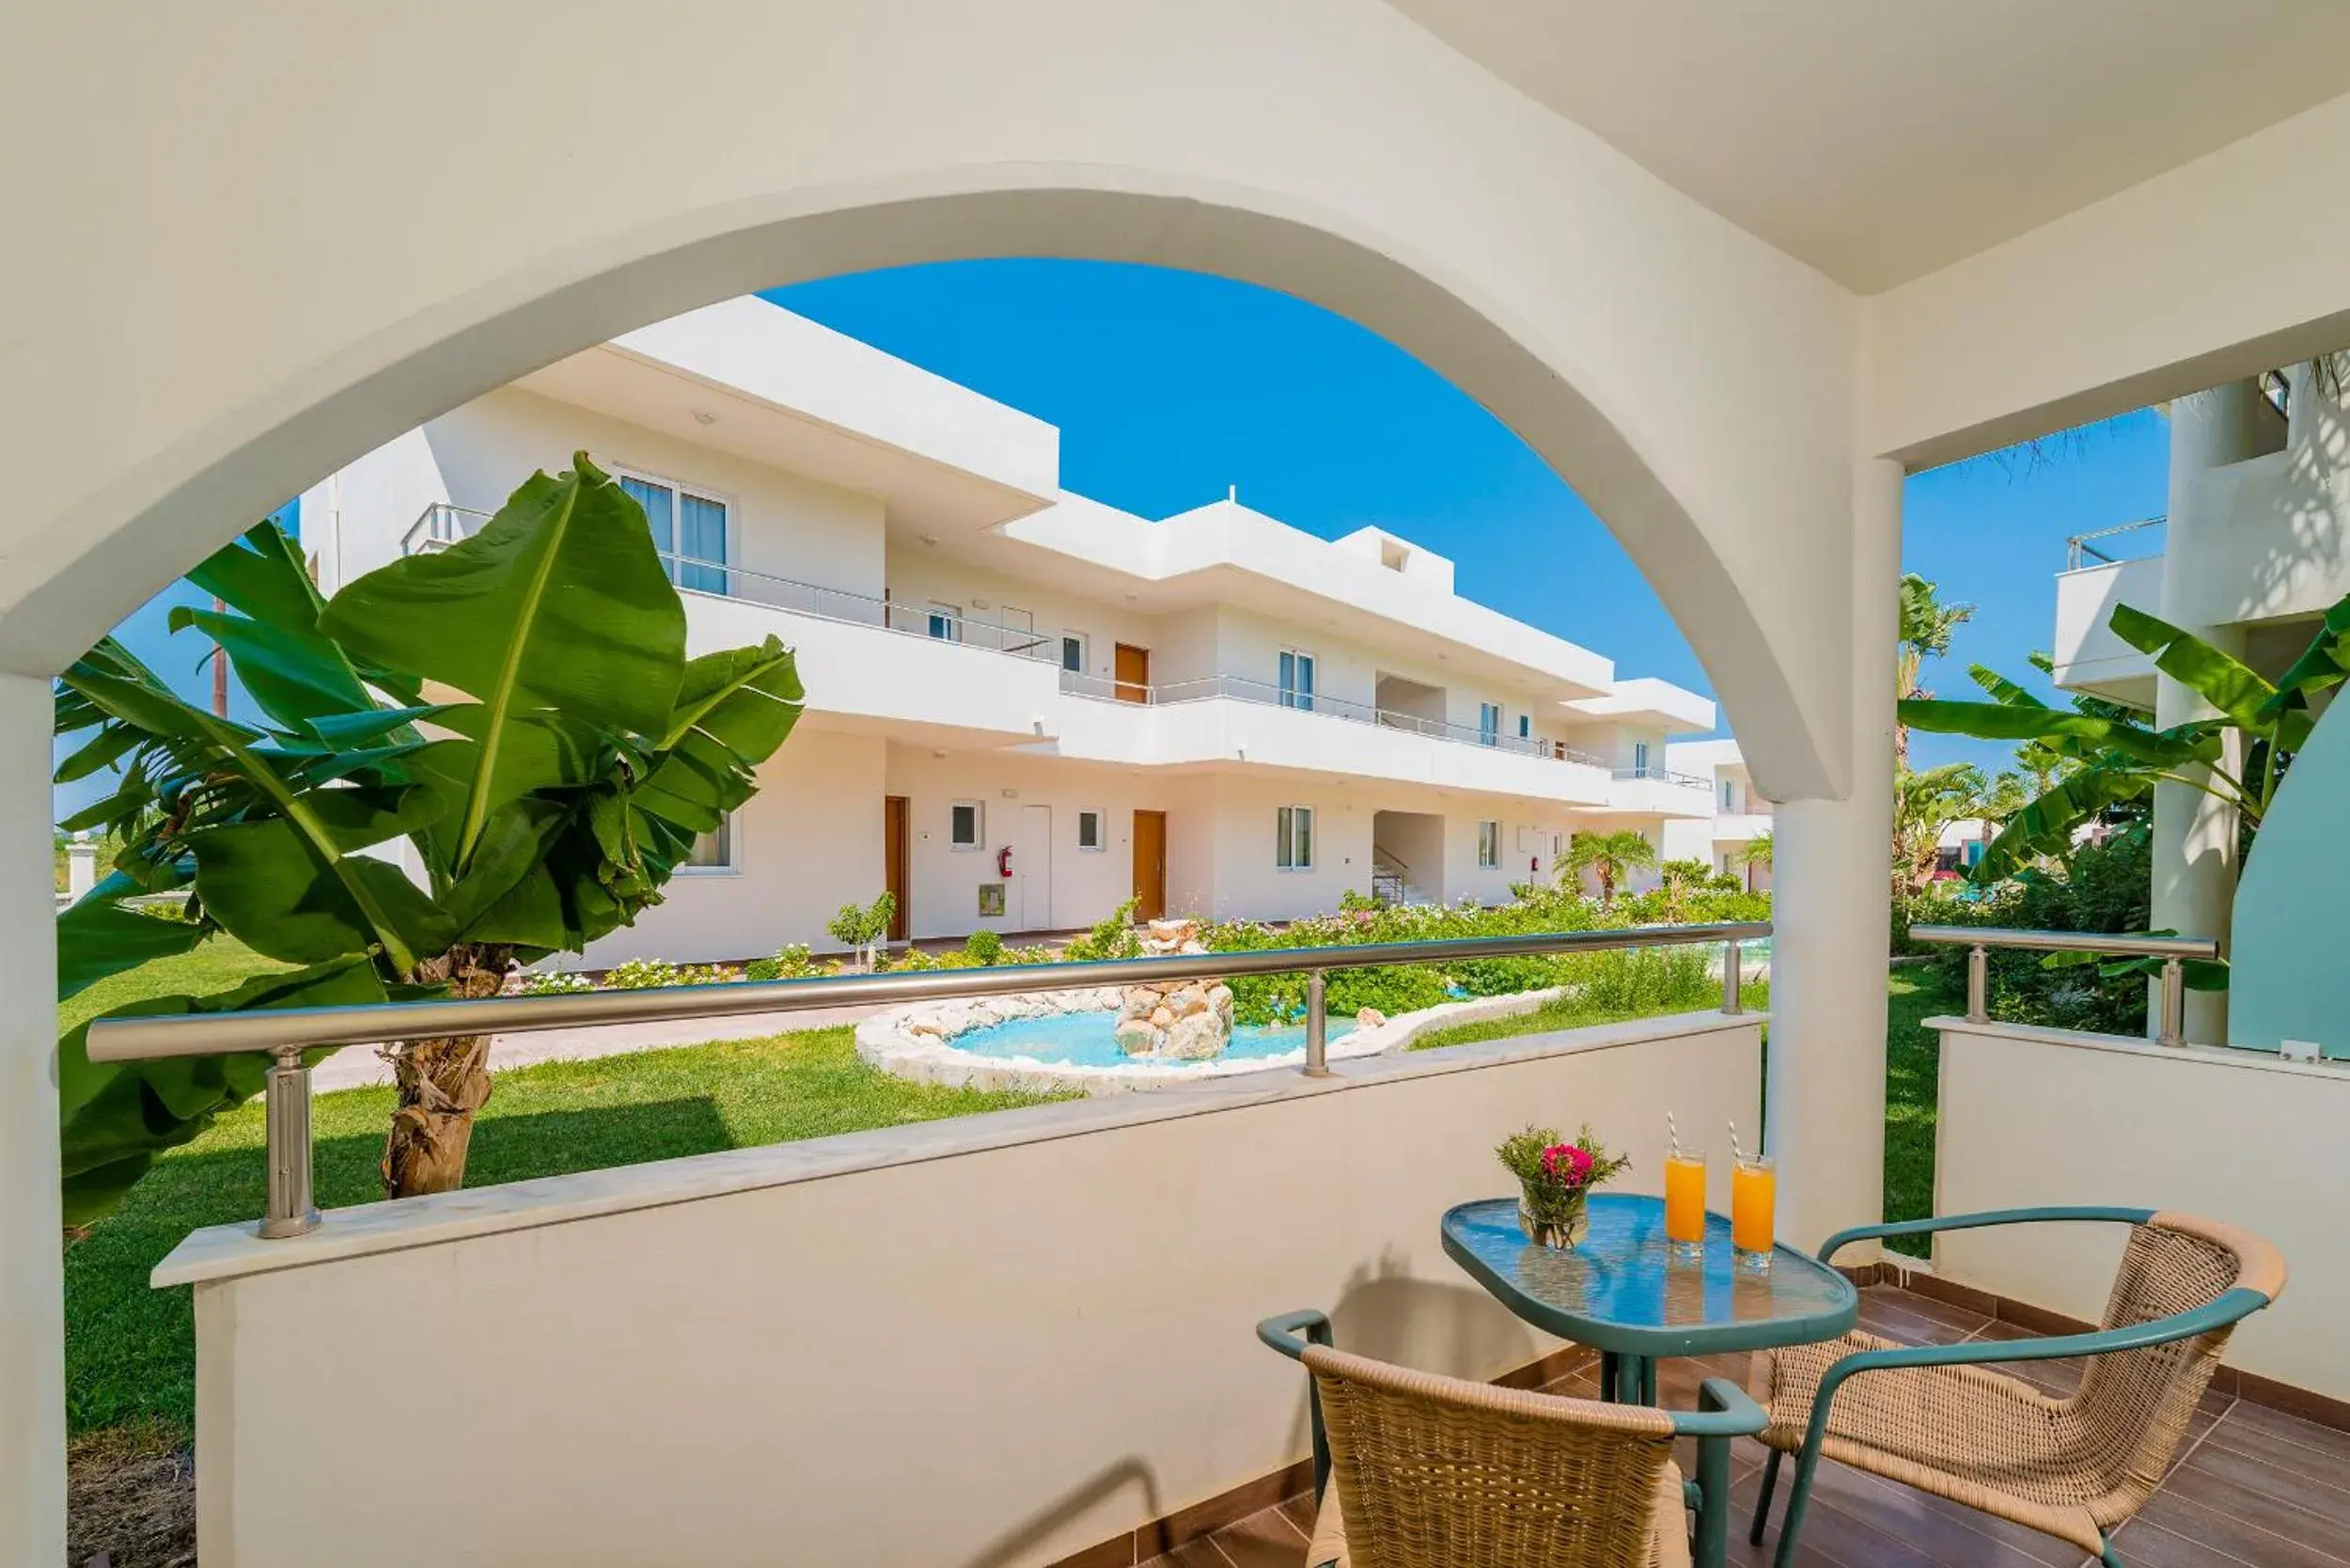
(1923, 805)
(1678, 880)
(1755, 851)
(1926, 628)
(2106, 756)
(566, 759)
(1609, 857)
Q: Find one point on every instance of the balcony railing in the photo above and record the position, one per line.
(2170, 1022)
(442, 525)
(2099, 546)
(1241, 688)
(1666, 775)
(288, 1033)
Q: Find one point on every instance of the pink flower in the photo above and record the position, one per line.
(1566, 1165)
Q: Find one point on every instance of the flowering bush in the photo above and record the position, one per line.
(554, 983)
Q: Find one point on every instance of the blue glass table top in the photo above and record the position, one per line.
(1622, 1290)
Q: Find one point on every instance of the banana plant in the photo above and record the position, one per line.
(464, 759)
(2107, 756)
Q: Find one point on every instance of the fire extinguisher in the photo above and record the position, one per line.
(1003, 862)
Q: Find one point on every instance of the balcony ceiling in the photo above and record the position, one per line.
(1882, 139)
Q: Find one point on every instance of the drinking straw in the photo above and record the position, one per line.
(1735, 1158)
(1675, 1132)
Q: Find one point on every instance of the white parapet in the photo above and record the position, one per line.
(2032, 1117)
(996, 1339)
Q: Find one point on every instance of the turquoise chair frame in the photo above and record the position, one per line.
(1724, 1411)
(2229, 1306)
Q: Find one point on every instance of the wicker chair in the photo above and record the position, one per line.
(1414, 1470)
(1935, 1418)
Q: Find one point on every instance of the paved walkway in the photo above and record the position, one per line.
(355, 1065)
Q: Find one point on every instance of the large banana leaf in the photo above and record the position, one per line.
(2321, 666)
(2000, 721)
(2045, 826)
(2226, 683)
(559, 602)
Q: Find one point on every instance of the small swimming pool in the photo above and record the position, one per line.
(1082, 1039)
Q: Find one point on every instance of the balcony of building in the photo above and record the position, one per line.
(1233, 720)
(642, 1343)
(921, 673)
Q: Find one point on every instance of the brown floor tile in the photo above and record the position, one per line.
(2171, 1533)
(1266, 1540)
(2229, 1481)
(2287, 1441)
(1194, 1554)
(1299, 1512)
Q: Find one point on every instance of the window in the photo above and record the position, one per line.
(966, 825)
(689, 529)
(1090, 830)
(1072, 653)
(1393, 555)
(1293, 832)
(1297, 678)
(1639, 759)
(1729, 795)
(1525, 727)
(1488, 845)
(712, 852)
(1489, 724)
(945, 623)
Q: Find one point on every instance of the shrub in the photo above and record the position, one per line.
(1644, 979)
(983, 949)
(1112, 936)
(554, 983)
(641, 974)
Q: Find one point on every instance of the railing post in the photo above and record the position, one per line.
(292, 1210)
(1733, 973)
(1978, 984)
(1317, 1029)
(2173, 1003)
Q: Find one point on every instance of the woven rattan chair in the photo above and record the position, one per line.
(1935, 1418)
(1414, 1470)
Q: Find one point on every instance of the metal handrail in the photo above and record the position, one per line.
(2079, 552)
(287, 1032)
(1666, 775)
(2173, 950)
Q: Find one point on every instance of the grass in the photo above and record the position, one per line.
(218, 964)
(1913, 1056)
(1568, 1012)
(131, 1350)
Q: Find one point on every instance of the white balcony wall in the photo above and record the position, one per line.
(2234, 1136)
(809, 841)
(2086, 655)
(354, 521)
(910, 685)
(798, 1321)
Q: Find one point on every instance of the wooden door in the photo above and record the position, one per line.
(1149, 865)
(894, 862)
(1133, 668)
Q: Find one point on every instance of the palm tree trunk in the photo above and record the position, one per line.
(442, 1082)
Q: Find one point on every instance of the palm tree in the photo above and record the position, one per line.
(1923, 805)
(1926, 627)
(1610, 856)
(1757, 852)
(1679, 879)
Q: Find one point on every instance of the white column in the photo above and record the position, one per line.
(2194, 836)
(32, 1305)
(1830, 908)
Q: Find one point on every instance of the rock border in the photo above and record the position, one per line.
(911, 1043)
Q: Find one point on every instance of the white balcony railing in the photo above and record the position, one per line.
(442, 525)
(1666, 775)
(1241, 688)
(2106, 547)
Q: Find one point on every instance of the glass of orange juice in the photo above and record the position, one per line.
(1685, 1201)
(1753, 1202)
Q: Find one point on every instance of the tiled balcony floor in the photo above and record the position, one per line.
(2254, 1488)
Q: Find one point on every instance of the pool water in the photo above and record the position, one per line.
(1082, 1039)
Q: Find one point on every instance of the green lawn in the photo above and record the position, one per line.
(131, 1351)
(1913, 1056)
(216, 964)
(1568, 1014)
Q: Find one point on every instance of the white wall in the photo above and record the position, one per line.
(809, 841)
(918, 577)
(2038, 1117)
(995, 1339)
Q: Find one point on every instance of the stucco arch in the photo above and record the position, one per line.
(1691, 383)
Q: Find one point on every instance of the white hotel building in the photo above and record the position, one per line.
(1025, 706)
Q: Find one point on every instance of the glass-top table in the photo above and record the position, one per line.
(1622, 1291)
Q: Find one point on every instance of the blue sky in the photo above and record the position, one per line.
(1170, 387)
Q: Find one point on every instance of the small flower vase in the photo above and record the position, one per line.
(1551, 1218)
